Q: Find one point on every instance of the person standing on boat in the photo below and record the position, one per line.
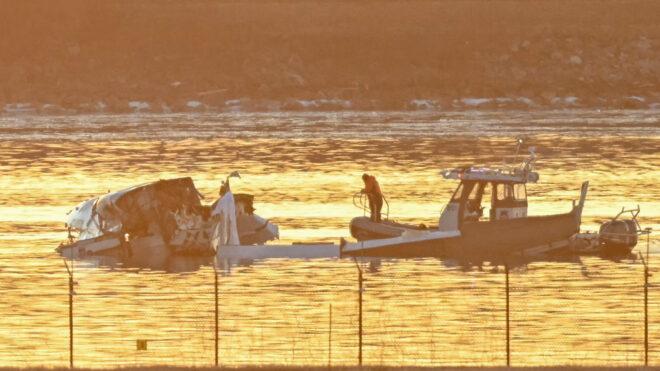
(372, 190)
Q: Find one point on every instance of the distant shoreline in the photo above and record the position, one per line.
(76, 57)
(323, 105)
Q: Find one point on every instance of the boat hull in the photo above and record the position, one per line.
(480, 240)
(517, 235)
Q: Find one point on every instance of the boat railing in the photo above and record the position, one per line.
(487, 172)
(361, 201)
(523, 172)
(633, 217)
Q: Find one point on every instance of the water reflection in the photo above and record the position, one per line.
(303, 169)
(174, 264)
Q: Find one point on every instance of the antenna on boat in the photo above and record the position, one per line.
(527, 164)
(515, 157)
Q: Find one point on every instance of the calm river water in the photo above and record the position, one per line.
(304, 169)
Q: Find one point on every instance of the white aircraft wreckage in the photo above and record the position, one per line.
(163, 218)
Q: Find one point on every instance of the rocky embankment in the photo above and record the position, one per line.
(198, 55)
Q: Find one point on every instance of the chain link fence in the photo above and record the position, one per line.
(421, 312)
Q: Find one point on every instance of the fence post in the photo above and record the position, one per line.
(646, 297)
(508, 341)
(70, 272)
(646, 315)
(359, 311)
(215, 275)
(330, 337)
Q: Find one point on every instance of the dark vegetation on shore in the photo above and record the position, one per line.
(165, 55)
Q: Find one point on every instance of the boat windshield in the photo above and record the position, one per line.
(458, 194)
(474, 205)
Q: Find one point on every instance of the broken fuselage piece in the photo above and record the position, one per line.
(165, 217)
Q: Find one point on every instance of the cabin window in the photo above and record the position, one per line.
(486, 195)
(458, 193)
(504, 192)
(520, 192)
(474, 195)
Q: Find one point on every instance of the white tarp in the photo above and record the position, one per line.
(224, 231)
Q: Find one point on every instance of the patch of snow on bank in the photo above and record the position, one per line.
(234, 105)
(499, 101)
(423, 104)
(308, 103)
(571, 101)
(19, 108)
(475, 101)
(321, 102)
(139, 106)
(527, 101)
(196, 104)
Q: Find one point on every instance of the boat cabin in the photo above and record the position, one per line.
(487, 194)
(491, 200)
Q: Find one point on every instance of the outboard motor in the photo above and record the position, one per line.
(620, 234)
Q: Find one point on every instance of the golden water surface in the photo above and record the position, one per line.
(304, 169)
